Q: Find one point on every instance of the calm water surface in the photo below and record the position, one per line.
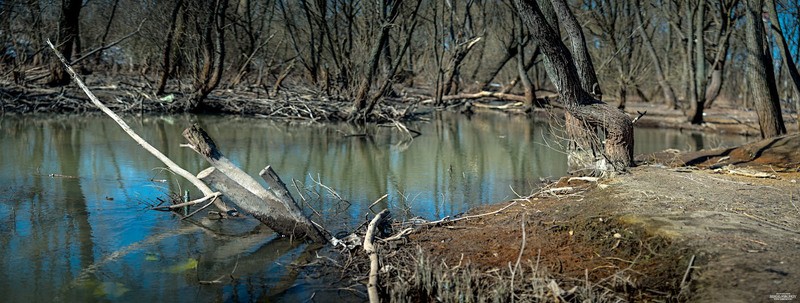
(75, 224)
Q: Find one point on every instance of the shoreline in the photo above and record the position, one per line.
(302, 103)
(713, 225)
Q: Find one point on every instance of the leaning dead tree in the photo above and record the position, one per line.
(601, 136)
(274, 207)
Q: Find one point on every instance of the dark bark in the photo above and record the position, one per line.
(760, 74)
(783, 46)
(451, 83)
(362, 94)
(390, 74)
(314, 44)
(213, 53)
(166, 65)
(583, 62)
(108, 24)
(699, 81)
(585, 154)
(726, 18)
(68, 35)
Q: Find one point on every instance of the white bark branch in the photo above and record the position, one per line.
(152, 150)
(369, 247)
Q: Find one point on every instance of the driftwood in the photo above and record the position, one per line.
(152, 150)
(482, 94)
(275, 208)
(369, 248)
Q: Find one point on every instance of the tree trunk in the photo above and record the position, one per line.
(699, 85)
(451, 84)
(68, 32)
(362, 95)
(722, 41)
(527, 85)
(622, 94)
(390, 74)
(585, 154)
(213, 41)
(166, 66)
(760, 74)
(583, 62)
(783, 46)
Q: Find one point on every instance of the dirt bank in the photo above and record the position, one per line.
(708, 226)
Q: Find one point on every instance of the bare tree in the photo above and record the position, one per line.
(374, 58)
(696, 47)
(666, 87)
(613, 22)
(213, 54)
(168, 46)
(760, 74)
(68, 39)
(725, 15)
(587, 154)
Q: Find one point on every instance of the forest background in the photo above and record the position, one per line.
(688, 55)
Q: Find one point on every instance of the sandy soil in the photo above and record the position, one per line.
(729, 217)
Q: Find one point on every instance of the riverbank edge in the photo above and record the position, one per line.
(305, 104)
(740, 251)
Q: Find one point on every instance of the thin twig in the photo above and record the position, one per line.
(376, 202)
(198, 210)
(519, 257)
(686, 274)
(447, 219)
(188, 203)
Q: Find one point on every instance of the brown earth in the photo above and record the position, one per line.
(734, 213)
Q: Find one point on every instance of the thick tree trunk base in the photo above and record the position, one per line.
(601, 140)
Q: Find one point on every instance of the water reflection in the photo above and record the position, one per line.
(74, 224)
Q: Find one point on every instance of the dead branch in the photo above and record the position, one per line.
(641, 114)
(686, 274)
(105, 47)
(376, 201)
(448, 220)
(152, 150)
(480, 95)
(189, 203)
(369, 248)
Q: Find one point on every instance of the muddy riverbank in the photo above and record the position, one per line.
(710, 226)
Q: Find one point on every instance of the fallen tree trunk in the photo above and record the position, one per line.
(278, 211)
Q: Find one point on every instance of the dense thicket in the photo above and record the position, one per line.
(683, 53)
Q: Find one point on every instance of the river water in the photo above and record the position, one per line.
(75, 223)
